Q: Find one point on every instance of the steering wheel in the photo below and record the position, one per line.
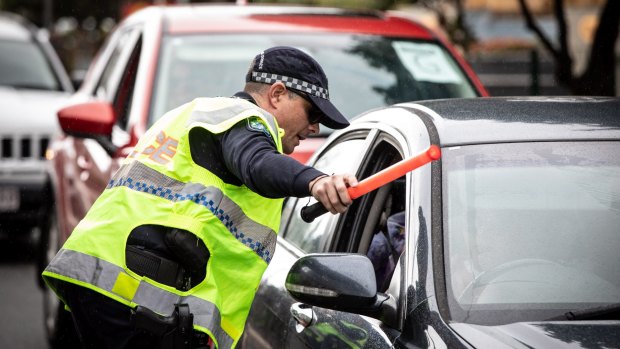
(503, 280)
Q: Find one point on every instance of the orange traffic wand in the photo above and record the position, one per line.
(387, 175)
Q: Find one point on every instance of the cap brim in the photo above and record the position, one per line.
(332, 118)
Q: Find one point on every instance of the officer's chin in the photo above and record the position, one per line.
(288, 149)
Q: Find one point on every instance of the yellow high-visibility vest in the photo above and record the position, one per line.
(160, 184)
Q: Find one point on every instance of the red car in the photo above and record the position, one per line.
(161, 57)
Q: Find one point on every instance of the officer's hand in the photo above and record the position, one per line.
(332, 191)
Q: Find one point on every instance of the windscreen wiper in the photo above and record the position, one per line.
(606, 312)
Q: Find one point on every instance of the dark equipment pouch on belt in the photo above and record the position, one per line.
(155, 267)
(174, 331)
(170, 256)
(190, 251)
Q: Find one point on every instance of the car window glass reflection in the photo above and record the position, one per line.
(105, 87)
(123, 99)
(23, 65)
(372, 71)
(316, 236)
(539, 199)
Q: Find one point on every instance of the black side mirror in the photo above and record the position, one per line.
(336, 281)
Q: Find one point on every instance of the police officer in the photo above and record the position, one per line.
(171, 253)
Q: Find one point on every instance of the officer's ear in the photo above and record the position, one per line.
(276, 93)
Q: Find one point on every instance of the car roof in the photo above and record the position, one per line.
(196, 18)
(522, 119)
(15, 27)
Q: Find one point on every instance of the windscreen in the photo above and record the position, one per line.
(531, 230)
(364, 72)
(23, 65)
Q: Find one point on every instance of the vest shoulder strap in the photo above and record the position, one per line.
(219, 114)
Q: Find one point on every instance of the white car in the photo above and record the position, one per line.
(33, 85)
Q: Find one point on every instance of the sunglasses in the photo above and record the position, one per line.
(314, 114)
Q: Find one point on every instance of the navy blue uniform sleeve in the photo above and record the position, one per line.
(252, 156)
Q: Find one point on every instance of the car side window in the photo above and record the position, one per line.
(124, 93)
(313, 237)
(107, 86)
(375, 224)
(118, 79)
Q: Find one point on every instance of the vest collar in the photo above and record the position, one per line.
(246, 96)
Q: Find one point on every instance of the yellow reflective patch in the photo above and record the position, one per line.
(125, 286)
(230, 329)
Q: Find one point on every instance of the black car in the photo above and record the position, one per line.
(510, 240)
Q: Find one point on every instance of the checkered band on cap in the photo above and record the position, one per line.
(293, 83)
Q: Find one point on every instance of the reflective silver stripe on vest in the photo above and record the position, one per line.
(102, 274)
(139, 177)
(217, 116)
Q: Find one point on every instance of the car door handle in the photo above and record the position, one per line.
(303, 314)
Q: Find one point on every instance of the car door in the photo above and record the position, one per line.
(269, 319)
(281, 321)
(358, 231)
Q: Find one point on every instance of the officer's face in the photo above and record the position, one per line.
(295, 117)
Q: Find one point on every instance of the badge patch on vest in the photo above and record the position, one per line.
(254, 124)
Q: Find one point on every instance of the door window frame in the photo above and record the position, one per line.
(291, 206)
(124, 43)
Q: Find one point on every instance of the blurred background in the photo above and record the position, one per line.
(517, 47)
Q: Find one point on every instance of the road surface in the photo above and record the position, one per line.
(21, 301)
